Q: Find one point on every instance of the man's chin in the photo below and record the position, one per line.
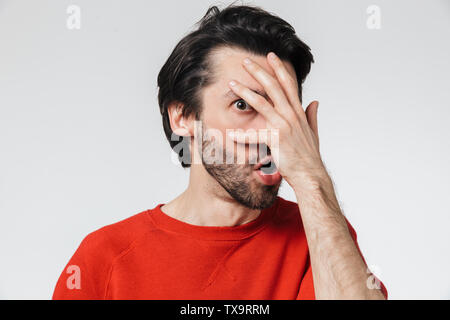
(262, 198)
(242, 184)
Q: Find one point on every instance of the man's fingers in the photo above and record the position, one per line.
(252, 137)
(273, 89)
(311, 116)
(257, 102)
(289, 84)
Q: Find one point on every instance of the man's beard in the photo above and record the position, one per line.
(236, 178)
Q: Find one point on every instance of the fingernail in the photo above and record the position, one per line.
(272, 55)
(247, 61)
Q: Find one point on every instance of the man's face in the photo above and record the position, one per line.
(223, 110)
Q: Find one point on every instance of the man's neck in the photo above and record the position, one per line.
(206, 203)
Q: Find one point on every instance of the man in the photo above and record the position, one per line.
(229, 235)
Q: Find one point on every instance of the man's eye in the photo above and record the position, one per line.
(242, 105)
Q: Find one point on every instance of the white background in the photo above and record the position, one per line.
(82, 145)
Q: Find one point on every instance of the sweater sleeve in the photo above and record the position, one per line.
(306, 291)
(87, 272)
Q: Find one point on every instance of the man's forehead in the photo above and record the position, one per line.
(228, 65)
(229, 61)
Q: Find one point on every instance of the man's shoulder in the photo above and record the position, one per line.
(111, 240)
(287, 204)
(92, 262)
(288, 212)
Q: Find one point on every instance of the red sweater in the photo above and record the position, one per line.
(154, 256)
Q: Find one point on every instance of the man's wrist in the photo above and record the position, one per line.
(318, 203)
(313, 184)
(308, 177)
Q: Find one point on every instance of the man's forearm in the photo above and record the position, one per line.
(339, 271)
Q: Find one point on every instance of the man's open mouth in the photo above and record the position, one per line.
(266, 165)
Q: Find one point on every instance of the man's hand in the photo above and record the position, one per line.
(338, 269)
(297, 155)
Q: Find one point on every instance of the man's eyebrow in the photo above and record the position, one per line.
(230, 94)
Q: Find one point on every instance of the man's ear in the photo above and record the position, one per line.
(180, 126)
